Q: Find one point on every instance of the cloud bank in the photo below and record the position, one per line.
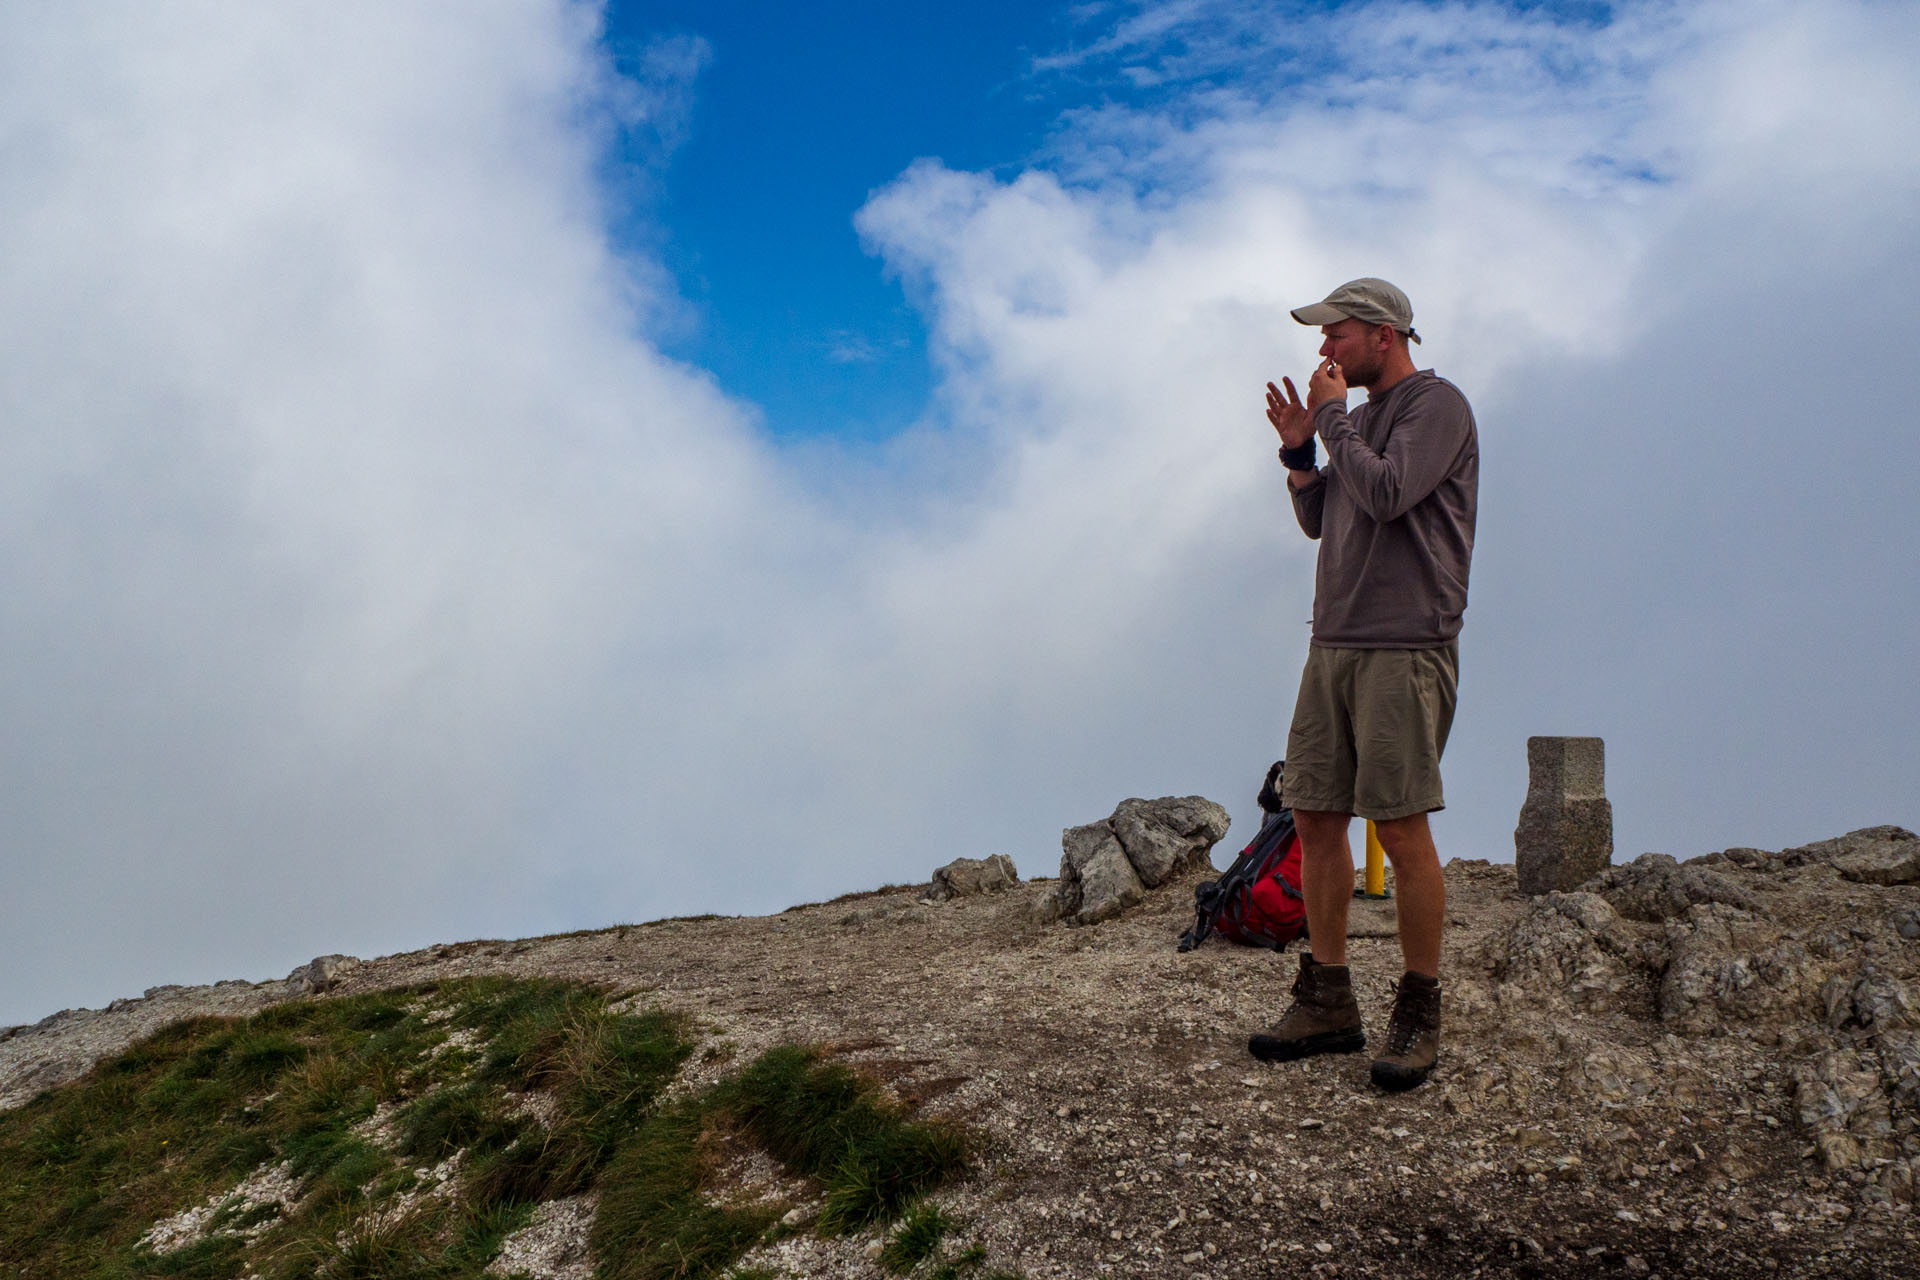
(369, 578)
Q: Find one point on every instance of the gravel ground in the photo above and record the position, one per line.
(1728, 1089)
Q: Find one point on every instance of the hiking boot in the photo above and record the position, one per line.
(1324, 1017)
(1413, 1034)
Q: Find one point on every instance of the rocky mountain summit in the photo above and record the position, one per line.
(1707, 1067)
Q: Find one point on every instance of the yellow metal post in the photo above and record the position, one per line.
(1376, 864)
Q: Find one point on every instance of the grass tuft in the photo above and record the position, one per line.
(454, 1119)
(820, 1119)
(917, 1239)
(653, 1223)
(966, 1262)
(216, 1258)
(826, 1121)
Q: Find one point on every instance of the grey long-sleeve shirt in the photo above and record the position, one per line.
(1393, 509)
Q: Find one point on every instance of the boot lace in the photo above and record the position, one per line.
(1407, 1022)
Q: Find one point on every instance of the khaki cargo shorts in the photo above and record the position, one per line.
(1368, 729)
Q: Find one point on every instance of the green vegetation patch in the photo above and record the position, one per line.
(917, 1239)
(181, 1118)
(818, 1118)
(390, 1135)
(918, 1244)
(828, 1122)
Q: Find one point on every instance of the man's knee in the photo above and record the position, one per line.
(1407, 839)
(1315, 818)
(1320, 830)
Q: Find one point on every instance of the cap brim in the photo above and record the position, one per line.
(1320, 313)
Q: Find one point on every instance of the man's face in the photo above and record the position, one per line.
(1356, 347)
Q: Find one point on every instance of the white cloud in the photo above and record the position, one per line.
(368, 578)
(1640, 277)
(336, 483)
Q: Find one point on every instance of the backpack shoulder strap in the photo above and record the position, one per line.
(1214, 896)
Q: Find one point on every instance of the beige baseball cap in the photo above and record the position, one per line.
(1368, 300)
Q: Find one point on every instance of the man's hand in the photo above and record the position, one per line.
(1288, 416)
(1294, 420)
(1328, 383)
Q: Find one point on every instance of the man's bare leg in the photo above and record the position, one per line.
(1420, 891)
(1324, 1016)
(1326, 881)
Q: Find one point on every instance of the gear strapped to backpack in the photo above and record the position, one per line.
(1257, 903)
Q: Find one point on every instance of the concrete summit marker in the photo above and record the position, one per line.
(1565, 836)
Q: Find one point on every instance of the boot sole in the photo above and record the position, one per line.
(1268, 1049)
(1395, 1078)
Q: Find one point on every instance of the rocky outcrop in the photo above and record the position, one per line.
(1871, 855)
(1571, 949)
(1656, 886)
(965, 877)
(1790, 949)
(320, 975)
(1109, 866)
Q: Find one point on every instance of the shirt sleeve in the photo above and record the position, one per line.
(1309, 502)
(1426, 439)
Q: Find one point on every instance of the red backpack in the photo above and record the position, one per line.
(1257, 903)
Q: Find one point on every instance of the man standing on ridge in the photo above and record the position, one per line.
(1393, 510)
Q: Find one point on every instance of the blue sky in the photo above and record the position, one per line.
(797, 114)
(790, 118)
(430, 507)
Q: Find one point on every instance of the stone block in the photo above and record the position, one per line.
(1565, 836)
